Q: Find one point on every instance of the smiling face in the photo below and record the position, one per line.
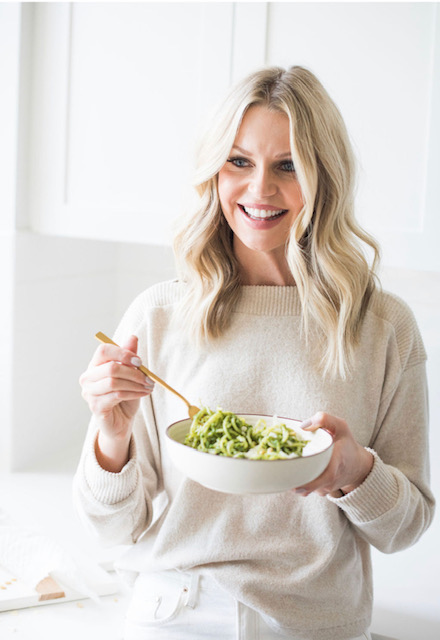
(259, 193)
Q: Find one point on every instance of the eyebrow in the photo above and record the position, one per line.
(288, 154)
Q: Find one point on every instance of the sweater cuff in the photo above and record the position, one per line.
(107, 487)
(375, 496)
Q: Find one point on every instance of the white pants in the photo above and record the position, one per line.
(190, 606)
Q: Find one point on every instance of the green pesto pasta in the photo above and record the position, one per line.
(223, 433)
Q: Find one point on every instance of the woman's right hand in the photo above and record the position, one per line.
(112, 387)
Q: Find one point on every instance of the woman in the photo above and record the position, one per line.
(276, 311)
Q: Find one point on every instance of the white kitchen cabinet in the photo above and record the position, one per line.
(118, 91)
(381, 64)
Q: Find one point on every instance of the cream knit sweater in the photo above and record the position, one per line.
(302, 562)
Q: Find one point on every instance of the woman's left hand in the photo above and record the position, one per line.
(349, 465)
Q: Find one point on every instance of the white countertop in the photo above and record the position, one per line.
(43, 501)
(67, 621)
(407, 590)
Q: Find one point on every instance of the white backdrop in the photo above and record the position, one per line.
(96, 129)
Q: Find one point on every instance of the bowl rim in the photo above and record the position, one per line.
(261, 415)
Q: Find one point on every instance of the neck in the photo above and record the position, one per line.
(263, 268)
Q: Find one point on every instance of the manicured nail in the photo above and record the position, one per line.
(301, 491)
(305, 424)
(136, 362)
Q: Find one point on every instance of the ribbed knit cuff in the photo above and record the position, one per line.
(375, 496)
(105, 486)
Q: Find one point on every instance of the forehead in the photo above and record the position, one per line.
(264, 128)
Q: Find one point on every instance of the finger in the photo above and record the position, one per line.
(104, 404)
(131, 344)
(324, 483)
(315, 422)
(106, 393)
(110, 352)
(117, 370)
(109, 384)
(321, 420)
(114, 385)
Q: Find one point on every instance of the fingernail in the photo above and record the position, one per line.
(301, 491)
(136, 362)
(149, 383)
(305, 424)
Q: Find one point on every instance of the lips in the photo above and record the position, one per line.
(262, 212)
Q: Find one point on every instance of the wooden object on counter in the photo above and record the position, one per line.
(48, 589)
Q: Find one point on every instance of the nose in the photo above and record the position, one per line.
(262, 183)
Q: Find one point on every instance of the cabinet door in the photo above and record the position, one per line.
(381, 64)
(118, 90)
(117, 93)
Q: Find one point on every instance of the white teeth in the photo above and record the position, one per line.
(262, 213)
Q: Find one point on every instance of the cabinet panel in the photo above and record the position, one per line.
(118, 92)
(378, 62)
(249, 38)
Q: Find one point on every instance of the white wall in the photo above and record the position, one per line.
(63, 289)
(407, 589)
(75, 251)
(9, 87)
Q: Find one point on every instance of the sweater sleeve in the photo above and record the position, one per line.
(394, 505)
(118, 507)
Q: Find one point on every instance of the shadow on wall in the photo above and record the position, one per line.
(65, 290)
(402, 626)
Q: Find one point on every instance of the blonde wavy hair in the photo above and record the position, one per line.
(325, 250)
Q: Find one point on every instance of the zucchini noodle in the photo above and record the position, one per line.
(223, 433)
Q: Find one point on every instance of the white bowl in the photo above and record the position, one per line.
(241, 475)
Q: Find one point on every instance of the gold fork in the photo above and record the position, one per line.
(192, 410)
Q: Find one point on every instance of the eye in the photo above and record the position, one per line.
(287, 166)
(238, 162)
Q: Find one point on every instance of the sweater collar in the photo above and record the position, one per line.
(269, 300)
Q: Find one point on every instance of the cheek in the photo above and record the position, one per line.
(295, 199)
(230, 187)
(299, 195)
(225, 189)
